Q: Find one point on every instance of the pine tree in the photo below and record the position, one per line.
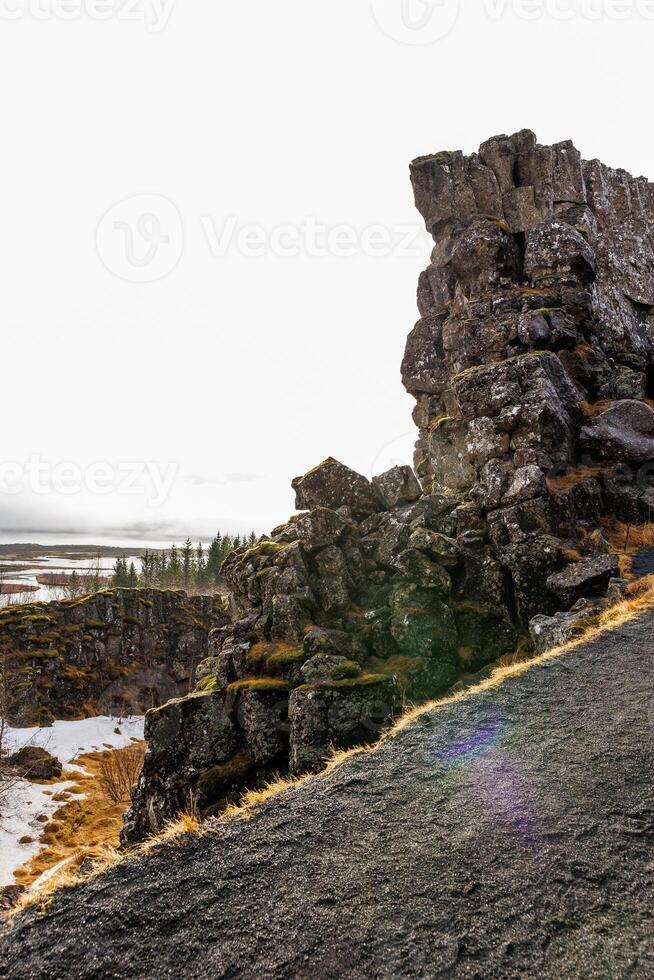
(200, 565)
(121, 575)
(174, 567)
(161, 569)
(187, 563)
(214, 559)
(132, 577)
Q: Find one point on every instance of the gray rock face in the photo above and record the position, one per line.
(398, 486)
(536, 323)
(538, 303)
(333, 485)
(623, 433)
(584, 579)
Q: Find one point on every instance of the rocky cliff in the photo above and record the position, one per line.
(507, 835)
(120, 650)
(533, 354)
(532, 368)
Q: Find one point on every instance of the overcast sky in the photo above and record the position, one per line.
(208, 243)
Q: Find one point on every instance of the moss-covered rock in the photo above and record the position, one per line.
(215, 783)
(112, 651)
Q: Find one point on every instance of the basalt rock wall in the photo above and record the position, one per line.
(117, 651)
(533, 354)
(531, 367)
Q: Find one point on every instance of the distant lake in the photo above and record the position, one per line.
(21, 567)
(22, 573)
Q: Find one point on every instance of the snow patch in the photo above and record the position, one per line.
(27, 801)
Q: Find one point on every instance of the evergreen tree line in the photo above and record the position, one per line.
(189, 567)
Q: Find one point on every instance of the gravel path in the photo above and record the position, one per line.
(508, 835)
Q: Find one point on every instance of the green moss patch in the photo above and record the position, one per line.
(279, 662)
(208, 683)
(216, 781)
(264, 549)
(351, 683)
(258, 684)
(348, 670)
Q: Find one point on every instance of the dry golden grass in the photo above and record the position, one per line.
(254, 798)
(639, 598)
(628, 538)
(626, 566)
(119, 772)
(589, 411)
(186, 823)
(575, 475)
(81, 829)
(571, 554)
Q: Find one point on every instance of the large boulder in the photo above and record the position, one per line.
(582, 579)
(547, 632)
(333, 485)
(319, 527)
(340, 715)
(623, 433)
(398, 486)
(35, 764)
(186, 738)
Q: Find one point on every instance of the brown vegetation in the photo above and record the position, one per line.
(11, 588)
(86, 829)
(574, 475)
(119, 772)
(628, 538)
(589, 411)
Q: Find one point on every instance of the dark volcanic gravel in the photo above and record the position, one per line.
(508, 835)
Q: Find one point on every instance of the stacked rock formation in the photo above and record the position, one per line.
(372, 593)
(531, 367)
(534, 351)
(116, 651)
